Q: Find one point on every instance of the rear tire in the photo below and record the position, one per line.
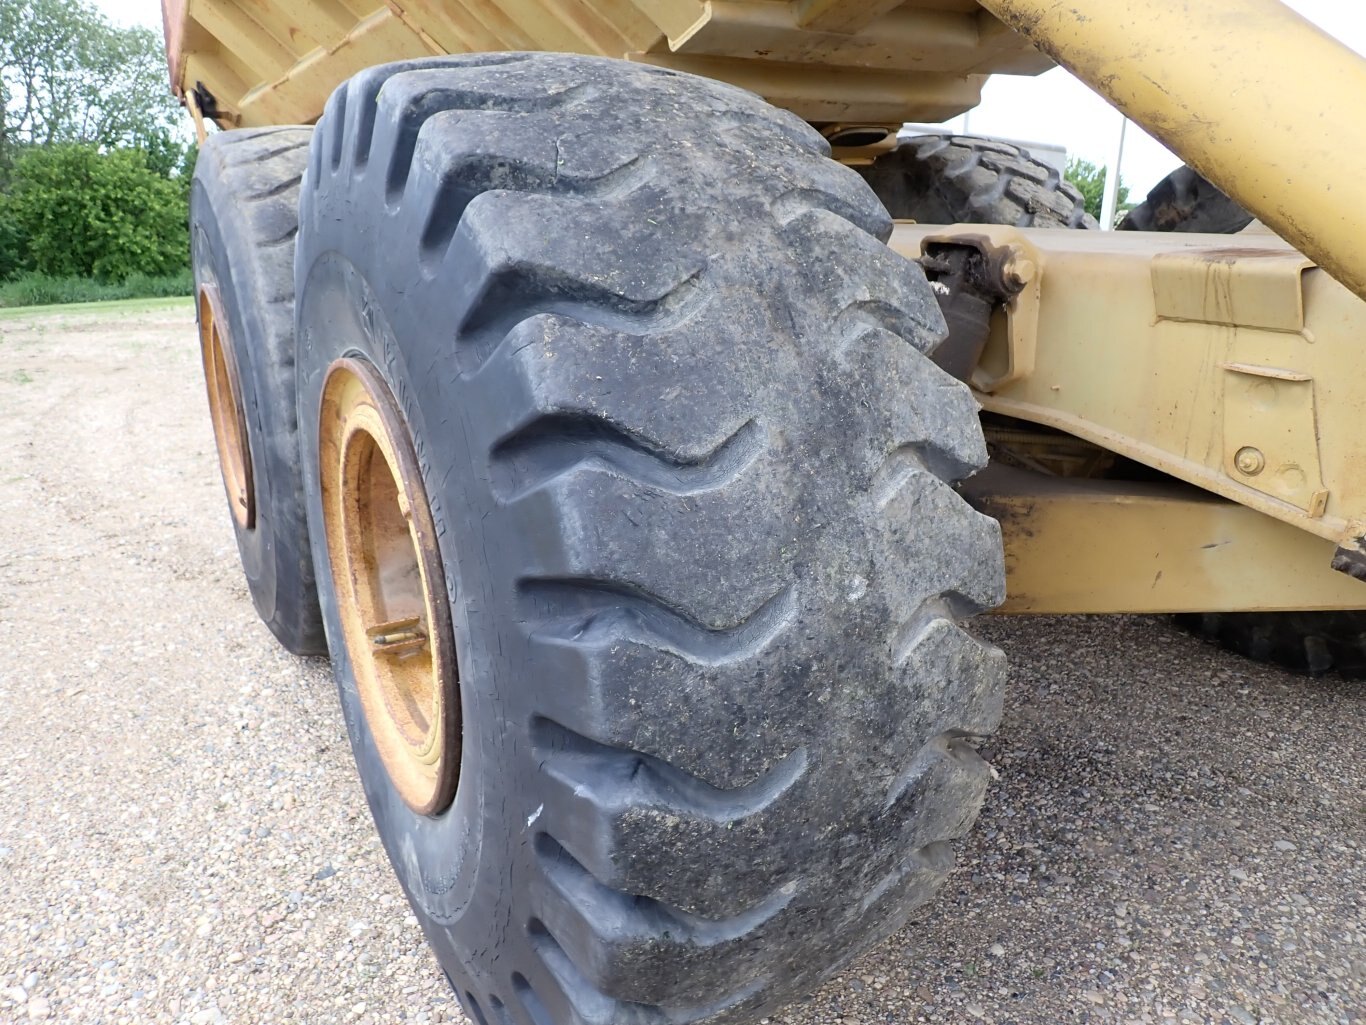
(958, 179)
(691, 472)
(1187, 201)
(243, 219)
(1309, 643)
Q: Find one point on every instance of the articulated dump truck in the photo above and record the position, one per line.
(638, 427)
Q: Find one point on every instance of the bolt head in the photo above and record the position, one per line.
(1249, 461)
(1021, 271)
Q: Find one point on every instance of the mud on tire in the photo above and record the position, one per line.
(692, 477)
(243, 219)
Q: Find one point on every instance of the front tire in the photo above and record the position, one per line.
(691, 475)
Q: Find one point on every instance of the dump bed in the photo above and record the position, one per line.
(255, 62)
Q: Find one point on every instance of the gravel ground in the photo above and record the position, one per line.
(1176, 835)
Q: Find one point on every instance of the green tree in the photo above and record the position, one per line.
(83, 213)
(11, 242)
(185, 172)
(68, 75)
(1090, 181)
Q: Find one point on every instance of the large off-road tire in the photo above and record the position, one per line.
(959, 179)
(1186, 201)
(691, 475)
(1311, 643)
(243, 219)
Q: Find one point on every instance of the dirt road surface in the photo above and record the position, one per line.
(1176, 836)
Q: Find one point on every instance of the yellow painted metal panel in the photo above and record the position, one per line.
(871, 63)
(1250, 288)
(1077, 546)
(842, 15)
(837, 93)
(1186, 396)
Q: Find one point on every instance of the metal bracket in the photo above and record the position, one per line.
(1270, 434)
(197, 115)
(1234, 286)
(1015, 270)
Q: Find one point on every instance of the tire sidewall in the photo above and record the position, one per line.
(458, 866)
(213, 243)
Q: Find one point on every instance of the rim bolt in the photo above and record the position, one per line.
(400, 635)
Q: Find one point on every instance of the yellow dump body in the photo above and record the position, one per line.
(254, 62)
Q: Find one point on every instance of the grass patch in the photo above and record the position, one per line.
(39, 290)
(123, 307)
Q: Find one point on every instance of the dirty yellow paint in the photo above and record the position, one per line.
(1074, 545)
(1182, 351)
(874, 61)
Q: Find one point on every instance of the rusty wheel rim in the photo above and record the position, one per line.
(225, 408)
(386, 573)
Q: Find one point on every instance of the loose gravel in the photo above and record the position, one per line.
(1176, 834)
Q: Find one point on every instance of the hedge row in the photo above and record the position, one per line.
(72, 213)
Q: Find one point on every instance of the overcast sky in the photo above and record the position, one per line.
(1054, 107)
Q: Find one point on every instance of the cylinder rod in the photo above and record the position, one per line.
(1250, 94)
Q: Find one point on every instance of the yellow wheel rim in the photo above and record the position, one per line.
(391, 598)
(225, 408)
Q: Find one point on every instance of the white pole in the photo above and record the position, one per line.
(1111, 197)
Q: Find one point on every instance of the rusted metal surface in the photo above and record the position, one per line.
(389, 586)
(1244, 91)
(882, 62)
(1100, 546)
(225, 407)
